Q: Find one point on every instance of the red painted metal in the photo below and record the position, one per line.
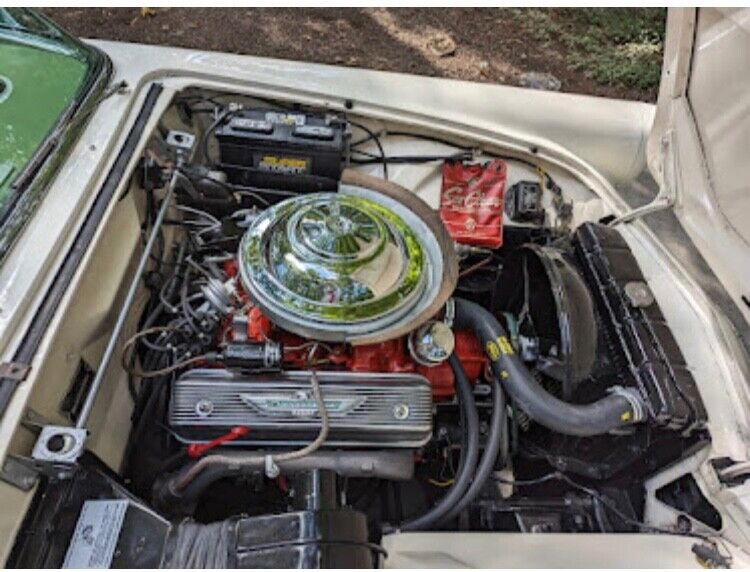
(471, 202)
(195, 450)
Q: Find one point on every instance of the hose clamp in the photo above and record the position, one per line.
(634, 400)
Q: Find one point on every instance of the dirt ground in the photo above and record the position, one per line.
(480, 44)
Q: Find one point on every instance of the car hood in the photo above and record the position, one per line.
(698, 144)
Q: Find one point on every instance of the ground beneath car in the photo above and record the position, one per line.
(514, 47)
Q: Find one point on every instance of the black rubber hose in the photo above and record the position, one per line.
(619, 409)
(469, 454)
(497, 438)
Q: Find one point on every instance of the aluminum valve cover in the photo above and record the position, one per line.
(365, 409)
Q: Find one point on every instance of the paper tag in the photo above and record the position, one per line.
(96, 534)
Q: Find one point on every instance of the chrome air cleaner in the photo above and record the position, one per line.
(354, 266)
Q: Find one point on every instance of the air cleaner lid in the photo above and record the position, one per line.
(334, 266)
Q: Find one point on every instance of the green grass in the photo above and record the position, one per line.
(612, 46)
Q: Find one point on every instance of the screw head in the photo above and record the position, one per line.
(204, 407)
(639, 294)
(401, 411)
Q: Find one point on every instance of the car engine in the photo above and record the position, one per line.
(324, 359)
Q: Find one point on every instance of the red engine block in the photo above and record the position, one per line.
(391, 356)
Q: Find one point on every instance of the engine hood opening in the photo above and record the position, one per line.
(517, 374)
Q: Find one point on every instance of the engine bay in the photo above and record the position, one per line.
(323, 357)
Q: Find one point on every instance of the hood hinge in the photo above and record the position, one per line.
(667, 195)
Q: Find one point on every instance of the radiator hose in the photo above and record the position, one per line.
(469, 454)
(621, 408)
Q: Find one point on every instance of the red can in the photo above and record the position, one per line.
(471, 202)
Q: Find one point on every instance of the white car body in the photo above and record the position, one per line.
(595, 144)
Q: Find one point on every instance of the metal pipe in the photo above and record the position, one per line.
(187, 484)
(88, 405)
(315, 490)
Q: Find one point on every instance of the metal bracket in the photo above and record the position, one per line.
(18, 472)
(181, 143)
(56, 444)
(23, 472)
(180, 140)
(14, 371)
(664, 199)
(33, 421)
(667, 195)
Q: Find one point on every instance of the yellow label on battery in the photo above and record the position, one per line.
(283, 164)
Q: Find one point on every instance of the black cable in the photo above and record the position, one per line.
(147, 323)
(552, 185)
(186, 310)
(367, 154)
(154, 346)
(198, 97)
(376, 139)
(261, 191)
(149, 399)
(410, 159)
(194, 177)
(231, 189)
(416, 136)
(527, 482)
(362, 141)
(557, 475)
(203, 150)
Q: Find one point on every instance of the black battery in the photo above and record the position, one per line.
(283, 150)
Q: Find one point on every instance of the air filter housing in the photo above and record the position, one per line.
(353, 266)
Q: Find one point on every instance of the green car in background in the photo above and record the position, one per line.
(45, 78)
